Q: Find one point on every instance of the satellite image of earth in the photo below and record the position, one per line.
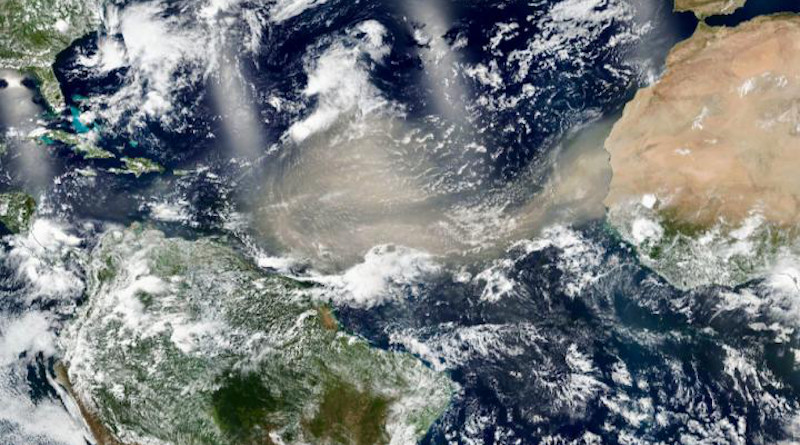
(399, 222)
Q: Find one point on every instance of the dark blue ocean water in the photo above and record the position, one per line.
(595, 81)
(674, 344)
(527, 384)
(753, 9)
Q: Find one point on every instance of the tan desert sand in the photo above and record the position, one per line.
(719, 135)
(705, 8)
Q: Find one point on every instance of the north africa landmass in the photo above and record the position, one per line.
(709, 153)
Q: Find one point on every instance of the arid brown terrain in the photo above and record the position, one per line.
(705, 8)
(719, 135)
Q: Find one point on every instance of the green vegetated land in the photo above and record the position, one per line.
(34, 31)
(187, 342)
